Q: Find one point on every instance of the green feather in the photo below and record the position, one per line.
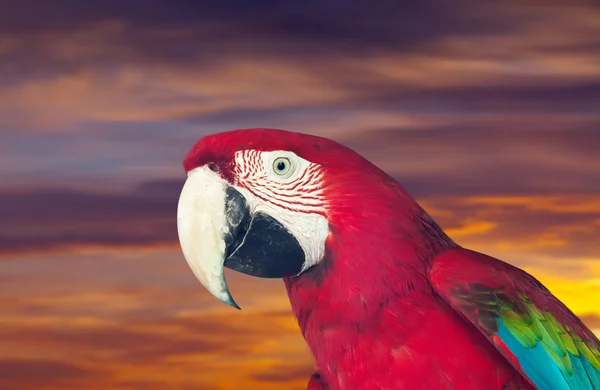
(522, 333)
(532, 327)
(564, 335)
(593, 356)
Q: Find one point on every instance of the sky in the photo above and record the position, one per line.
(486, 111)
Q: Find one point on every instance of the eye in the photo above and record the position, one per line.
(281, 166)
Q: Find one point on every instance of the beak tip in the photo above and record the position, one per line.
(225, 297)
(232, 303)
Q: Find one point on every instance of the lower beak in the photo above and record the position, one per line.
(216, 230)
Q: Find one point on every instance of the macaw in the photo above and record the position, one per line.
(383, 297)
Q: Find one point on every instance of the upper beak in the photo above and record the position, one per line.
(202, 225)
(216, 229)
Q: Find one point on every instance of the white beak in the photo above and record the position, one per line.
(202, 225)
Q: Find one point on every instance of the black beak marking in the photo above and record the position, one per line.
(259, 245)
(238, 217)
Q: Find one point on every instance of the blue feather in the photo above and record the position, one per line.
(593, 374)
(543, 372)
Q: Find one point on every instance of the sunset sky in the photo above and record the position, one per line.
(488, 112)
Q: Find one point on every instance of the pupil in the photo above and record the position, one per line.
(280, 166)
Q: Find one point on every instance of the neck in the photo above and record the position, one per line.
(376, 257)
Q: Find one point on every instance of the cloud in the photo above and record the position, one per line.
(151, 341)
(109, 103)
(559, 227)
(156, 333)
(48, 218)
(385, 25)
(285, 373)
(167, 62)
(534, 155)
(359, 26)
(34, 373)
(592, 320)
(42, 370)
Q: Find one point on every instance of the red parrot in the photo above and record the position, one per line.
(383, 297)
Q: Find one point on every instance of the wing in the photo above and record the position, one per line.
(536, 332)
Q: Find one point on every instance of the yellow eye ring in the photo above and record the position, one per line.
(281, 166)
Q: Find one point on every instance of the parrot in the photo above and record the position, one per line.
(383, 297)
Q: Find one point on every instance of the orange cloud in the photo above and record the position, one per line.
(554, 203)
(562, 225)
(160, 331)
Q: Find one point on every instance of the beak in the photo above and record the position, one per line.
(202, 226)
(216, 230)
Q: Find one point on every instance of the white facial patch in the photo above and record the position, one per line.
(294, 198)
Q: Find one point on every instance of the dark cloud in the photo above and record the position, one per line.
(62, 206)
(522, 99)
(207, 33)
(67, 36)
(521, 95)
(163, 188)
(41, 370)
(47, 218)
(362, 22)
(502, 157)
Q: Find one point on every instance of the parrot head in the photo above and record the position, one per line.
(265, 202)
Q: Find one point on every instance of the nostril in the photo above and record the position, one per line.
(213, 167)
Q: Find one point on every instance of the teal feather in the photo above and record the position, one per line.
(542, 370)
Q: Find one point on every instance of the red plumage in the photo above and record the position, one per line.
(379, 311)
(373, 320)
